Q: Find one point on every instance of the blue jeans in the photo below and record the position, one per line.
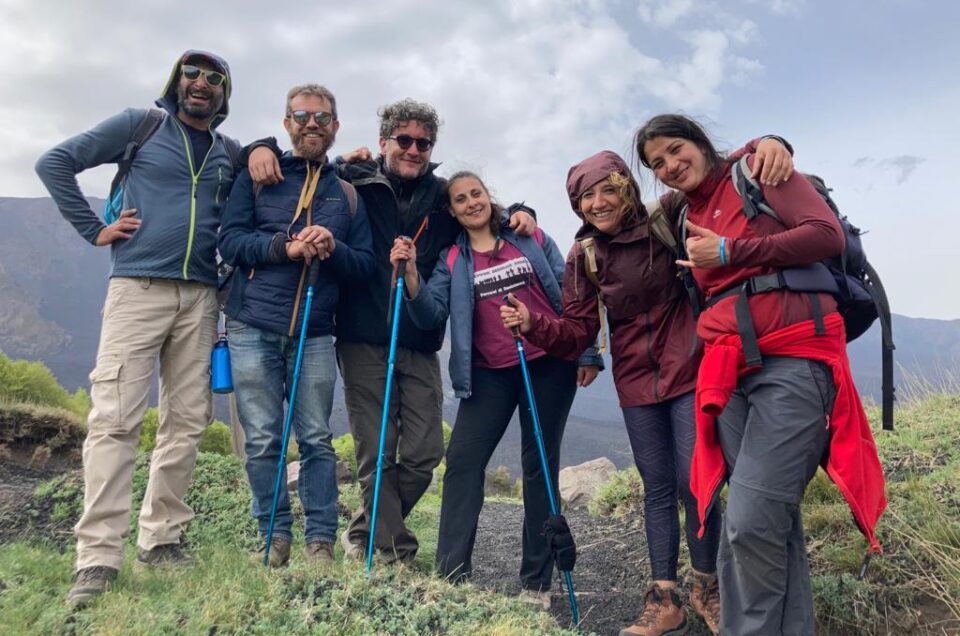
(263, 363)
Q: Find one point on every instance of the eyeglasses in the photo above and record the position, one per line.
(302, 117)
(404, 141)
(192, 73)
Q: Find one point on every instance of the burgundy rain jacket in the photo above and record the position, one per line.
(653, 344)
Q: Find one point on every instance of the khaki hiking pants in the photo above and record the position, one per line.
(145, 320)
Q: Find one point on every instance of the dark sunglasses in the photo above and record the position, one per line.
(302, 117)
(404, 141)
(192, 73)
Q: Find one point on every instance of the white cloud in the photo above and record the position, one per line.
(664, 13)
(526, 89)
(903, 166)
(793, 8)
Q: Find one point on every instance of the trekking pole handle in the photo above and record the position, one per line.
(402, 265)
(313, 273)
(514, 330)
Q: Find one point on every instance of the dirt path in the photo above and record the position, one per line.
(611, 575)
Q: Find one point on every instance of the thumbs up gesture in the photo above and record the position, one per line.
(703, 247)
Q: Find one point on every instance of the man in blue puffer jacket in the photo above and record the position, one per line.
(271, 234)
(161, 304)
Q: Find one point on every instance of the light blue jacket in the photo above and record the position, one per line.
(451, 294)
(178, 204)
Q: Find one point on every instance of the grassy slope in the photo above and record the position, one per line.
(226, 594)
(917, 580)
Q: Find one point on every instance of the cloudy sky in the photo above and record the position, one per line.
(867, 91)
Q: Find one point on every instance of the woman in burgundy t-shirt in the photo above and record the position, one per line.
(468, 285)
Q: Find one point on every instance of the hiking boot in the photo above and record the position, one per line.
(351, 550)
(705, 599)
(90, 583)
(279, 552)
(319, 552)
(167, 554)
(662, 615)
(540, 598)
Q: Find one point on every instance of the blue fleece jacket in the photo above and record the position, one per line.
(178, 203)
(450, 294)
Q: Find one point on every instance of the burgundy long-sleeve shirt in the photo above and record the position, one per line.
(808, 231)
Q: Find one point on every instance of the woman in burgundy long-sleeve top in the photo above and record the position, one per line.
(776, 420)
(655, 358)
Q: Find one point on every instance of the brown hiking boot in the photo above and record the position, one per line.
(167, 554)
(705, 599)
(538, 598)
(352, 550)
(279, 552)
(662, 615)
(319, 552)
(90, 583)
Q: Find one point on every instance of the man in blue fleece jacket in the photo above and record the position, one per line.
(161, 305)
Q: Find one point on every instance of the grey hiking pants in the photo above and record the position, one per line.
(774, 432)
(414, 441)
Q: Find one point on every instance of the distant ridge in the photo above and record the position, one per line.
(52, 285)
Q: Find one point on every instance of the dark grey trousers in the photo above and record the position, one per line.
(773, 432)
(413, 445)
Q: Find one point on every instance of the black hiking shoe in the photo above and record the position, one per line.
(167, 554)
(88, 584)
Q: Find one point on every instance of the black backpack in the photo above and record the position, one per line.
(855, 284)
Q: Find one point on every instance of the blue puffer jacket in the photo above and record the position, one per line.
(451, 294)
(178, 203)
(267, 289)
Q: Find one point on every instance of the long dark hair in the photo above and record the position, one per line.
(496, 210)
(681, 126)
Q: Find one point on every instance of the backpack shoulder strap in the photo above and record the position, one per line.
(144, 130)
(351, 193)
(588, 246)
(232, 146)
(750, 192)
(452, 255)
(538, 236)
(660, 225)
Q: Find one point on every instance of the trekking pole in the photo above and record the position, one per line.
(391, 359)
(291, 401)
(544, 465)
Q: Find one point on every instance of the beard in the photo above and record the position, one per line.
(312, 151)
(203, 110)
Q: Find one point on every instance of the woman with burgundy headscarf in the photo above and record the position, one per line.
(655, 358)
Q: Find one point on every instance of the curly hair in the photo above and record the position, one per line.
(394, 115)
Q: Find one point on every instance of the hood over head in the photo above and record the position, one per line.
(168, 100)
(592, 170)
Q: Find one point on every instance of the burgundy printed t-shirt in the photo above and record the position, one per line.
(510, 271)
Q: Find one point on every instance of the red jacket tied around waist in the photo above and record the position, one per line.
(852, 462)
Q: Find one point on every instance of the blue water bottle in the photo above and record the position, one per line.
(221, 378)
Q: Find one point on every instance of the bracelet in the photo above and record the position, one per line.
(723, 250)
